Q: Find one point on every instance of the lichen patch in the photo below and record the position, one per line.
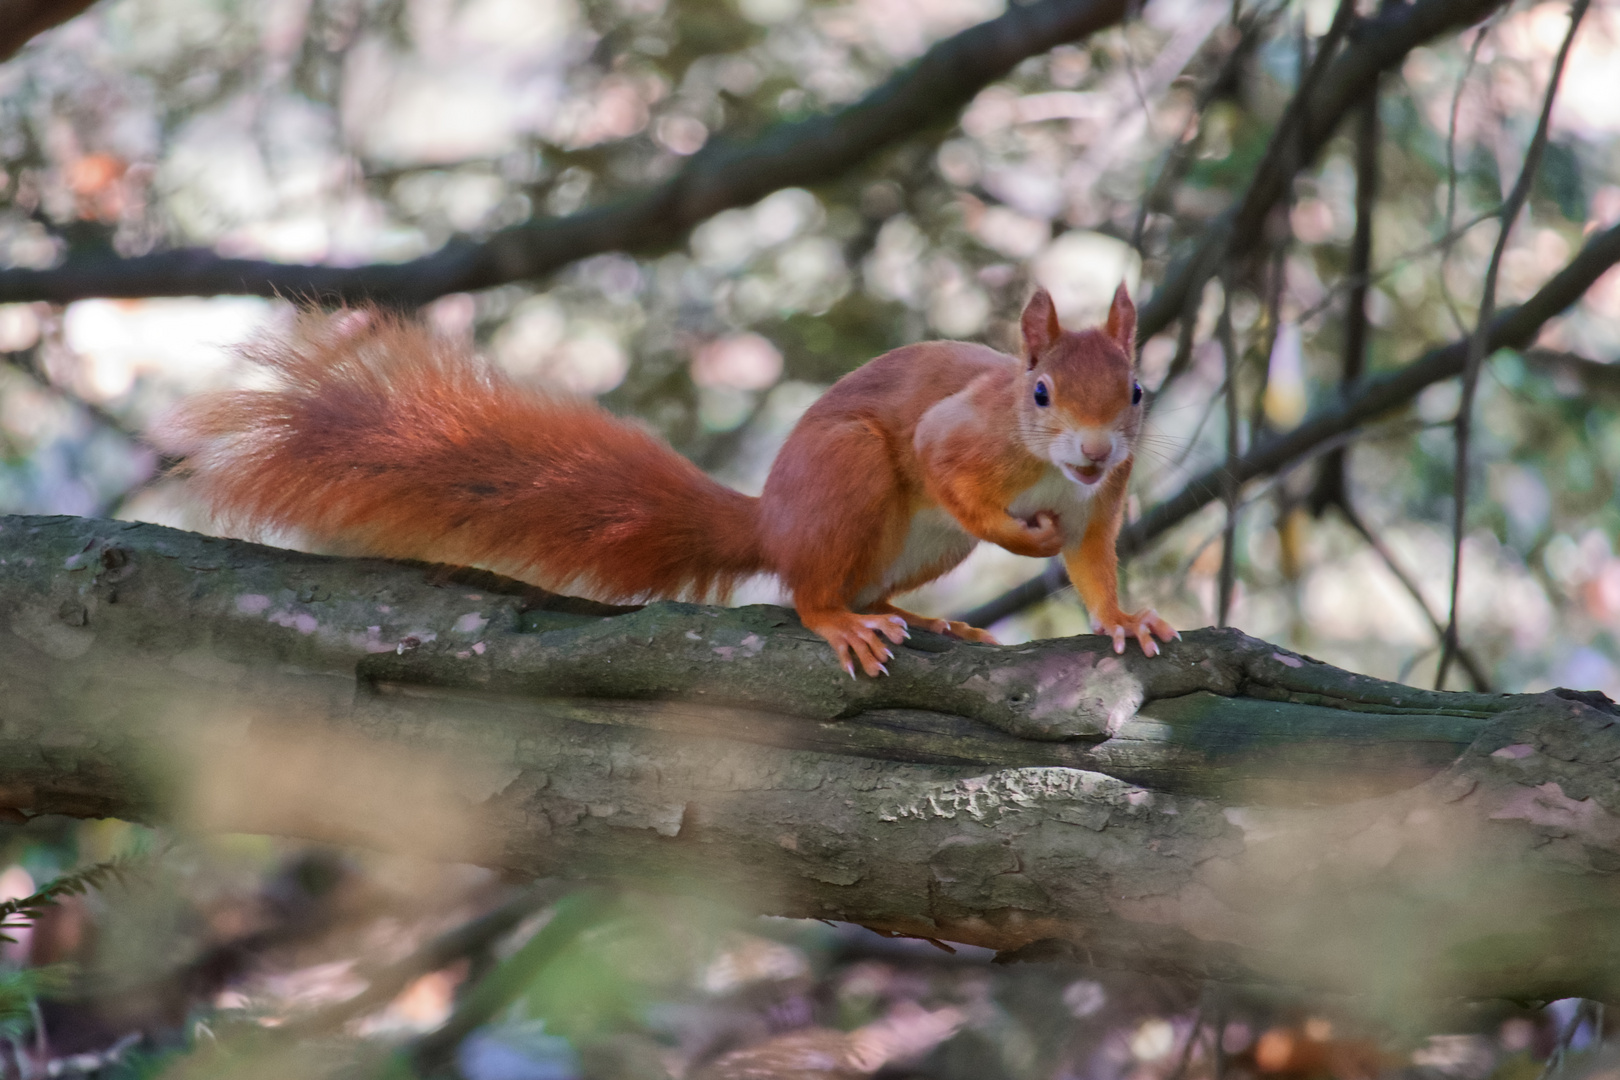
(1046, 788)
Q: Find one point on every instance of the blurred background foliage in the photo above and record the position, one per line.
(351, 132)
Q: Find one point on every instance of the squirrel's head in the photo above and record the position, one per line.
(1081, 406)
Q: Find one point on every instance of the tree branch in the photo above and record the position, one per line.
(1366, 400)
(1331, 488)
(1228, 810)
(725, 173)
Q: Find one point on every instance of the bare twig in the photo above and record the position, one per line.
(1452, 233)
(1478, 339)
(1349, 281)
(1476, 672)
(1274, 482)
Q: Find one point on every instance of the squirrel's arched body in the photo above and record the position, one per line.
(383, 438)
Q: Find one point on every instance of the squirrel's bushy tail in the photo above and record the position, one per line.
(383, 438)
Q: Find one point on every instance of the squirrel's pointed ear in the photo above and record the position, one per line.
(1122, 320)
(1040, 325)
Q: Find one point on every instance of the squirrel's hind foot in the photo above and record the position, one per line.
(948, 627)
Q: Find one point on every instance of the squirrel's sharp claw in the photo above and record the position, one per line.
(883, 669)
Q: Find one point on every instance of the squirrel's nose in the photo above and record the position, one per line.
(1097, 449)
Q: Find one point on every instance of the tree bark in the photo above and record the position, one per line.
(1228, 810)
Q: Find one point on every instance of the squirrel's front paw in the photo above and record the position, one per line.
(859, 639)
(1042, 536)
(1143, 626)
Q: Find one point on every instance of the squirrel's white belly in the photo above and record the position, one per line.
(934, 542)
(1056, 494)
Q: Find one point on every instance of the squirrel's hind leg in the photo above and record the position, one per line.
(949, 627)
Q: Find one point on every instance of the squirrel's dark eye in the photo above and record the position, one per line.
(1136, 393)
(1042, 397)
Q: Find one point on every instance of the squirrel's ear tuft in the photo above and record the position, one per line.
(1040, 325)
(1122, 320)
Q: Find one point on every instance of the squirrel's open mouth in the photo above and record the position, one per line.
(1085, 474)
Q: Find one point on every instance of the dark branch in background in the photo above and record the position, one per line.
(1372, 397)
(1330, 489)
(1476, 341)
(1229, 489)
(21, 20)
(1333, 87)
(724, 174)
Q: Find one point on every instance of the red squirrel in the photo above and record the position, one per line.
(384, 438)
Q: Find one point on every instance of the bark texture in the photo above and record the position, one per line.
(1228, 810)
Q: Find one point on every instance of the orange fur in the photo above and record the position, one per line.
(383, 438)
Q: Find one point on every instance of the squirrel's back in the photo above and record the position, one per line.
(383, 438)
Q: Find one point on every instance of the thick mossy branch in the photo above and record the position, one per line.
(1229, 809)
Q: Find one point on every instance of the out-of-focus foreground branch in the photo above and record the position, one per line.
(1360, 403)
(21, 20)
(724, 174)
(1228, 810)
